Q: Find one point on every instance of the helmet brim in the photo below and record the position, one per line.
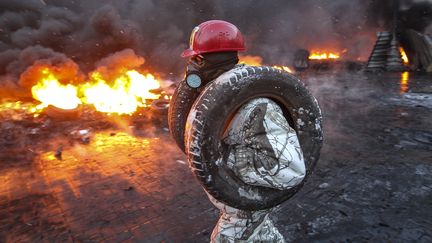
(188, 53)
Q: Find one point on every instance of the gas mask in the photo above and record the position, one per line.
(204, 68)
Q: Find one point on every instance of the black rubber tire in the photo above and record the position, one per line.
(213, 110)
(179, 107)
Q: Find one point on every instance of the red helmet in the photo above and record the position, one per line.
(214, 36)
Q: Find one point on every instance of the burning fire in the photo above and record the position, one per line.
(50, 92)
(122, 96)
(251, 60)
(317, 55)
(404, 82)
(121, 92)
(257, 61)
(404, 55)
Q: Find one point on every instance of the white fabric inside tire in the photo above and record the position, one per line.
(280, 166)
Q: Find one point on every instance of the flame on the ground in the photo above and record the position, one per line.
(250, 60)
(26, 108)
(404, 82)
(257, 61)
(319, 55)
(403, 55)
(124, 95)
(49, 91)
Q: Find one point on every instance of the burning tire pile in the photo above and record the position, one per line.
(63, 101)
(25, 128)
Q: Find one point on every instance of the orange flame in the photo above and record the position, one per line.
(124, 96)
(403, 55)
(250, 60)
(10, 107)
(112, 89)
(49, 91)
(318, 55)
(404, 82)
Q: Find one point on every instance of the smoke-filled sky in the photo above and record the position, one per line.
(158, 30)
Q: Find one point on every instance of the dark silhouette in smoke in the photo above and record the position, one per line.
(411, 14)
(88, 31)
(418, 17)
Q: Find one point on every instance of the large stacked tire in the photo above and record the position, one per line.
(211, 113)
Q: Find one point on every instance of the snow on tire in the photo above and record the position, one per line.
(214, 108)
(179, 107)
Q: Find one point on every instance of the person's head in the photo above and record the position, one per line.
(213, 50)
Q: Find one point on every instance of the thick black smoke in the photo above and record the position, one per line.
(411, 14)
(158, 30)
